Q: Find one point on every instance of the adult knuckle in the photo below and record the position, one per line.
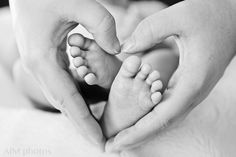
(146, 28)
(106, 23)
(164, 124)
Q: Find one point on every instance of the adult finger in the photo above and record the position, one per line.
(155, 28)
(191, 83)
(60, 90)
(94, 17)
(150, 125)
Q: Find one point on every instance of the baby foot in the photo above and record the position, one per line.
(134, 92)
(93, 64)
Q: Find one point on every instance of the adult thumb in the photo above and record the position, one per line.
(155, 28)
(100, 23)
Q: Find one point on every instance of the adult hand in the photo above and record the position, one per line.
(206, 36)
(41, 27)
(135, 13)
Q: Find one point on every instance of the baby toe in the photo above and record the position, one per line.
(80, 41)
(156, 86)
(144, 72)
(90, 79)
(75, 51)
(76, 40)
(82, 71)
(156, 97)
(153, 77)
(130, 66)
(78, 61)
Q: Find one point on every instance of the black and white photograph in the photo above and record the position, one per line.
(117, 78)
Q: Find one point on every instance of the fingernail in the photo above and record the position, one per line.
(110, 147)
(128, 45)
(116, 52)
(116, 46)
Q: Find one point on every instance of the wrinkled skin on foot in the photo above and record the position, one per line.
(41, 28)
(92, 63)
(206, 36)
(134, 92)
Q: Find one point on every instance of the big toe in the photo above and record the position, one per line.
(130, 66)
(80, 41)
